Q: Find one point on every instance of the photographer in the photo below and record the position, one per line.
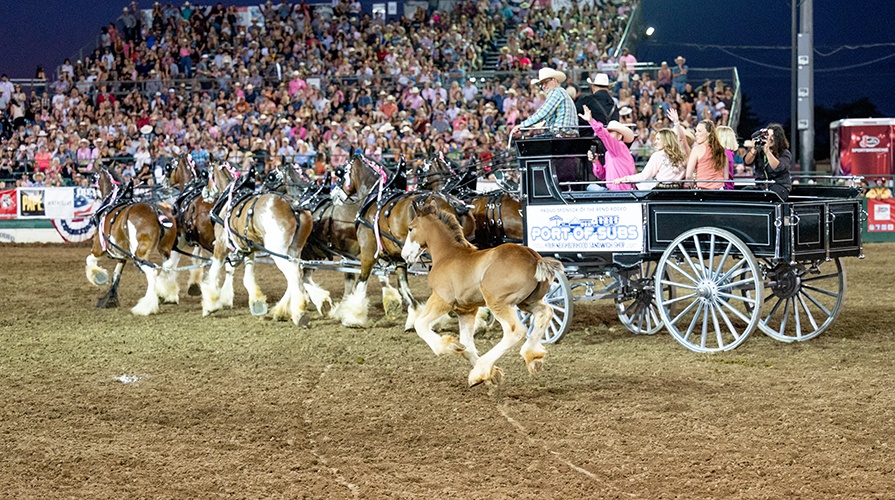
(771, 160)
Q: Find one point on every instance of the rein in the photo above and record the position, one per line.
(382, 178)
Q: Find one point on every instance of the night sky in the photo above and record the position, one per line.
(47, 31)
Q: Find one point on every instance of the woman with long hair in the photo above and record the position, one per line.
(772, 160)
(728, 139)
(707, 164)
(665, 166)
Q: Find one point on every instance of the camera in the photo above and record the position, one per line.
(760, 137)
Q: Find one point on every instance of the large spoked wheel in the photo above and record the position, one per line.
(710, 290)
(636, 300)
(559, 298)
(804, 300)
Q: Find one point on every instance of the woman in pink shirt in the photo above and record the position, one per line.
(618, 159)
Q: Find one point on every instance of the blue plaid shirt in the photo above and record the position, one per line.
(557, 112)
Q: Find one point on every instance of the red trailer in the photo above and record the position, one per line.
(863, 147)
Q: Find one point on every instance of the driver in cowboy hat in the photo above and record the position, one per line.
(558, 110)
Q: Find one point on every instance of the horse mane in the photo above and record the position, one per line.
(450, 221)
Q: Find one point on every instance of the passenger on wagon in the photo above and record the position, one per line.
(707, 164)
(772, 160)
(618, 160)
(558, 110)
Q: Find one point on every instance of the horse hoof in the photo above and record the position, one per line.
(194, 290)
(326, 308)
(496, 376)
(100, 278)
(107, 303)
(535, 366)
(258, 308)
(303, 321)
(392, 310)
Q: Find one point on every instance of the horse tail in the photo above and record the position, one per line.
(546, 268)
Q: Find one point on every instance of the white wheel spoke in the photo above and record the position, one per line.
(821, 290)
(816, 303)
(682, 272)
(807, 312)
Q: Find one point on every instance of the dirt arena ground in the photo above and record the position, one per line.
(235, 406)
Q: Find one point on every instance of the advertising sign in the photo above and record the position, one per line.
(881, 216)
(863, 147)
(8, 204)
(605, 227)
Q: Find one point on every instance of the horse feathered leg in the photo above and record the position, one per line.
(483, 319)
(149, 303)
(166, 287)
(391, 298)
(413, 306)
(110, 299)
(467, 331)
(96, 274)
(193, 284)
(141, 245)
(292, 305)
(257, 300)
(434, 309)
(353, 310)
(533, 351)
(316, 294)
(211, 294)
(513, 332)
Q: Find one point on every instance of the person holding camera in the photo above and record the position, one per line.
(771, 160)
(618, 161)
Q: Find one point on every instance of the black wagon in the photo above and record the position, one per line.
(708, 266)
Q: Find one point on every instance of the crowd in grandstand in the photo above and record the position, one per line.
(308, 86)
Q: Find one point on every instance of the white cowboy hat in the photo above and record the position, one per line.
(386, 128)
(572, 91)
(547, 73)
(626, 132)
(512, 91)
(146, 129)
(680, 58)
(600, 80)
(625, 111)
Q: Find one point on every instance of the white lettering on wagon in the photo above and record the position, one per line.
(607, 227)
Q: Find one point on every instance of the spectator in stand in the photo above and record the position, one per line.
(618, 161)
(707, 165)
(663, 77)
(679, 74)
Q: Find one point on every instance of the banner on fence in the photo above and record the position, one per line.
(881, 216)
(9, 206)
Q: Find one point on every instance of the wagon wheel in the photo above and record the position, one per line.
(804, 300)
(711, 290)
(636, 301)
(559, 298)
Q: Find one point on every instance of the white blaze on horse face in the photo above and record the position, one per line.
(411, 251)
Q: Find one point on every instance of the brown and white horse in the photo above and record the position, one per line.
(462, 278)
(381, 224)
(130, 230)
(193, 212)
(255, 222)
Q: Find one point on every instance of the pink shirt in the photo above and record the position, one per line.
(619, 161)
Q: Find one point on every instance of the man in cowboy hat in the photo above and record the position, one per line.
(558, 110)
(603, 107)
(617, 162)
